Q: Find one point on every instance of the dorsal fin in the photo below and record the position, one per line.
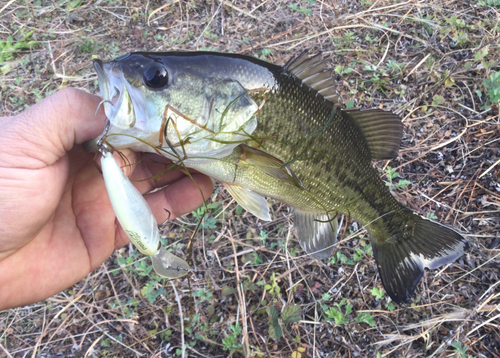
(314, 73)
(382, 131)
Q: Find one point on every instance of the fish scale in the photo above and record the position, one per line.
(304, 150)
(323, 175)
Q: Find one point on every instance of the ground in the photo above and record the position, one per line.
(254, 293)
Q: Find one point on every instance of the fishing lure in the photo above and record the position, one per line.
(137, 220)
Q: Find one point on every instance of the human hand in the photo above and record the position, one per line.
(56, 221)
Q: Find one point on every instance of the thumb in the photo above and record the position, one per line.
(47, 130)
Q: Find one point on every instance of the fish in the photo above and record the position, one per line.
(265, 130)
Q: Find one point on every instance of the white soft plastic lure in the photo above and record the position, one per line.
(137, 220)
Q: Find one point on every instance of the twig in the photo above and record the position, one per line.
(2, 347)
(181, 317)
(53, 319)
(242, 301)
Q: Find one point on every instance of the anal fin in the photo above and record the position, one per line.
(317, 233)
(249, 200)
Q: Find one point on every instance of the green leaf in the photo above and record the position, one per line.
(336, 315)
(349, 104)
(291, 314)
(460, 348)
(403, 183)
(275, 331)
(449, 82)
(266, 51)
(366, 318)
(481, 53)
(273, 315)
(74, 4)
(438, 100)
(432, 216)
(274, 327)
(210, 310)
(377, 292)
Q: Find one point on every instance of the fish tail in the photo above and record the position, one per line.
(420, 243)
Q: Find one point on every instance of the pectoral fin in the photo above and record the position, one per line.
(249, 200)
(269, 165)
(317, 233)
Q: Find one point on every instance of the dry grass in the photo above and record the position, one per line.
(417, 58)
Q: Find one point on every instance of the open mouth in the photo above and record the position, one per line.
(116, 99)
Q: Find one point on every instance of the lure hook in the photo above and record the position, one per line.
(100, 103)
(162, 226)
(101, 144)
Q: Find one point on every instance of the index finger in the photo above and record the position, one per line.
(50, 128)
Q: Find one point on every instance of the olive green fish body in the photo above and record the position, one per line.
(327, 153)
(287, 140)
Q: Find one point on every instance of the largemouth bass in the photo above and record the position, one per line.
(270, 131)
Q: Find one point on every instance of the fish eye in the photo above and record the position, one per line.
(156, 76)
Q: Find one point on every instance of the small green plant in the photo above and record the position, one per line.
(349, 104)
(366, 318)
(254, 258)
(456, 23)
(493, 87)
(340, 258)
(273, 287)
(10, 46)
(303, 10)
(294, 251)
(263, 237)
(231, 343)
(377, 292)
(127, 263)
(151, 291)
(290, 314)
(266, 52)
(341, 70)
(488, 2)
(461, 349)
(394, 66)
(87, 46)
(432, 216)
(336, 314)
(203, 295)
(392, 174)
(209, 222)
(340, 315)
(143, 268)
(346, 41)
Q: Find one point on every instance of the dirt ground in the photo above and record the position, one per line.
(254, 293)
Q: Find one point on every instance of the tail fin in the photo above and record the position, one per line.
(402, 258)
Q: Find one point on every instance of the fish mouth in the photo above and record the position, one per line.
(116, 99)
